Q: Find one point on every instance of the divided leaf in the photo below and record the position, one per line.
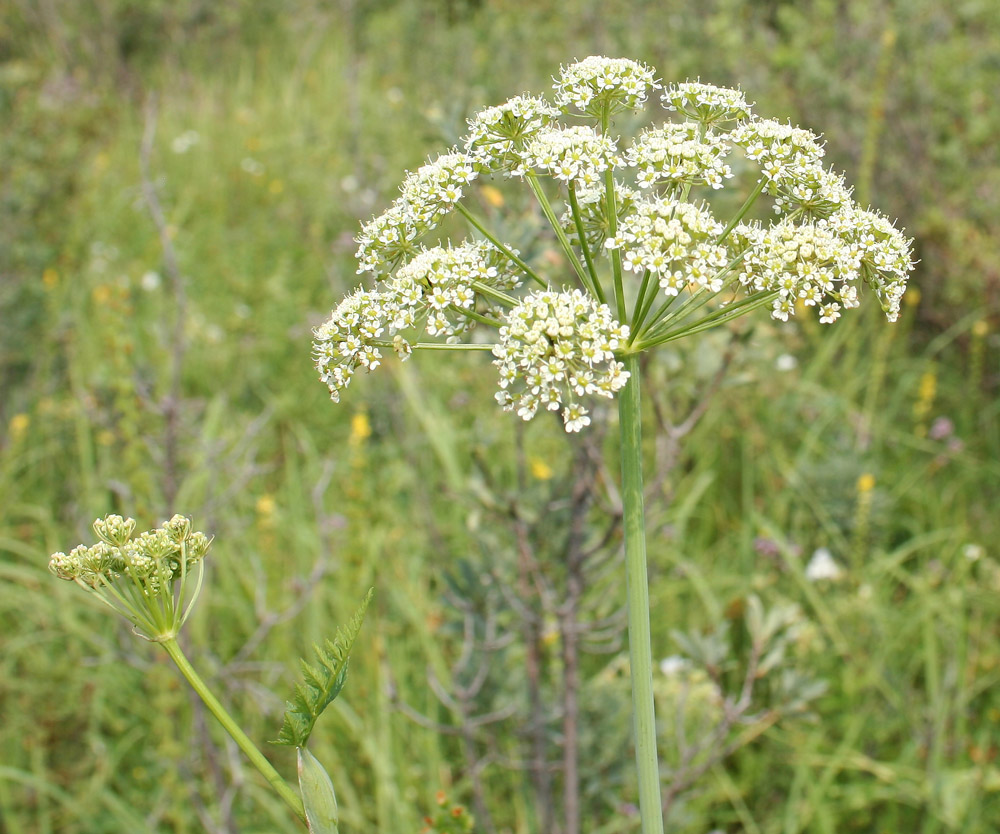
(323, 682)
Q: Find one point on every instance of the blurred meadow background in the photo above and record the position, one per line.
(180, 183)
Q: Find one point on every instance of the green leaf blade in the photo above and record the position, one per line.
(318, 797)
(322, 683)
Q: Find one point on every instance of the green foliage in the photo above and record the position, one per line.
(323, 683)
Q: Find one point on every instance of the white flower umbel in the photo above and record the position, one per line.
(706, 104)
(497, 134)
(679, 154)
(779, 149)
(347, 341)
(810, 190)
(807, 263)
(428, 194)
(598, 85)
(556, 348)
(575, 154)
(439, 288)
(675, 241)
(883, 253)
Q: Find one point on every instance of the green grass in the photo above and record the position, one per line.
(305, 124)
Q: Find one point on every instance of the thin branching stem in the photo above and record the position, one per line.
(750, 200)
(506, 250)
(564, 244)
(612, 204)
(722, 316)
(574, 205)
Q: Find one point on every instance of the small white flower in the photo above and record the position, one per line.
(786, 362)
(822, 566)
(973, 552)
(185, 141)
(673, 665)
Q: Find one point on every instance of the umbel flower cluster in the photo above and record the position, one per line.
(644, 258)
(137, 574)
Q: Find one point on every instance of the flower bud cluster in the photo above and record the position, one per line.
(571, 154)
(597, 86)
(151, 560)
(497, 134)
(555, 348)
(676, 154)
(428, 194)
(676, 241)
(705, 103)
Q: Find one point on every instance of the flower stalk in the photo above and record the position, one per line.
(637, 589)
(266, 769)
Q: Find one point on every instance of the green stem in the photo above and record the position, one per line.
(550, 215)
(698, 298)
(642, 303)
(472, 314)
(612, 203)
(616, 253)
(743, 209)
(495, 294)
(527, 270)
(722, 316)
(435, 345)
(637, 584)
(574, 205)
(282, 788)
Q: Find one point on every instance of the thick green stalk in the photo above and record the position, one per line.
(226, 720)
(637, 584)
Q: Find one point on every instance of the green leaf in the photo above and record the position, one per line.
(322, 683)
(318, 797)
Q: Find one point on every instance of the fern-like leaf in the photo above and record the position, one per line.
(322, 683)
